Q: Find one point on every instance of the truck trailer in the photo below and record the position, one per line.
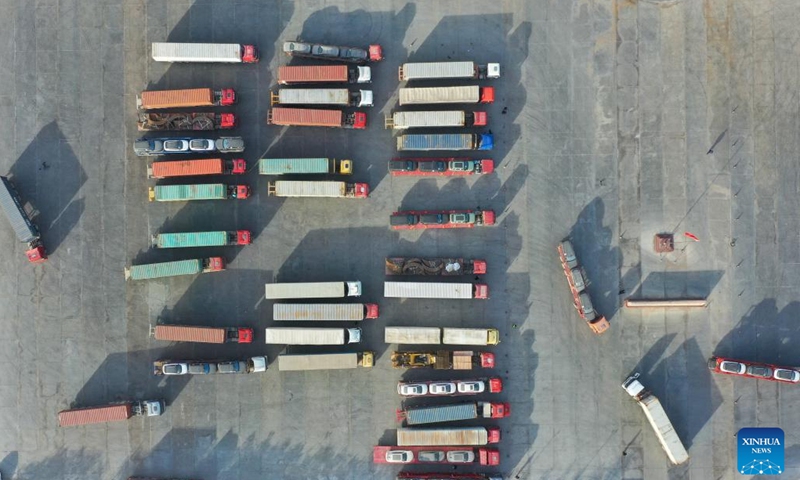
(441, 336)
(449, 388)
(204, 52)
(255, 364)
(304, 166)
(21, 223)
(437, 119)
(421, 219)
(314, 312)
(436, 455)
(185, 193)
(192, 333)
(444, 360)
(334, 53)
(445, 141)
(341, 97)
(281, 291)
(436, 95)
(151, 271)
(447, 436)
(192, 168)
(312, 336)
(154, 121)
(437, 290)
(433, 266)
(577, 282)
(298, 75)
(191, 97)
(447, 476)
(439, 167)
(317, 189)
(447, 70)
(325, 361)
(310, 117)
(202, 239)
(115, 412)
(454, 412)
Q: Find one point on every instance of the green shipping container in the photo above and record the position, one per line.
(286, 166)
(193, 239)
(166, 269)
(179, 193)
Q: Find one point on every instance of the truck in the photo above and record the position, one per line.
(421, 219)
(444, 360)
(441, 336)
(445, 141)
(440, 167)
(150, 147)
(190, 97)
(319, 188)
(433, 266)
(156, 121)
(314, 312)
(185, 193)
(21, 223)
(447, 476)
(310, 117)
(447, 436)
(202, 239)
(578, 284)
(312, 336)
(436, 95)
(436, 455)
(192, 168)
(454, 412)
(208, 367)
(151, 271)
(341, 97)
(447, 70)
(449, 388)
(204, 52)
(332, 52)
(658, 419)
(325, 361)
(304, 166)
(280, 291)
(193, 333)
(437, 119)
(115, 412)
(435, 290)
(296, 75)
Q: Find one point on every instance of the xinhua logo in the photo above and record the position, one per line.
(760, 451)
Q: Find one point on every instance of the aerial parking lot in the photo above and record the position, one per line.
(611, 122)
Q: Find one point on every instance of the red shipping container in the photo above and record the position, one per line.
(85, 416)
(314, 73)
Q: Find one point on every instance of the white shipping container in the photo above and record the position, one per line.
(197, 52)
(276, 291)
(349, 312)
(419, 71)
(284, 188)
(430, 95)
(464, 336)
(413, 335)
(311, 96)
(442, 436)
(427, 290)
(452, 118)
(305, 336)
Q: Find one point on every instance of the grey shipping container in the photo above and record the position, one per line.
(20, 222)
(441, 413)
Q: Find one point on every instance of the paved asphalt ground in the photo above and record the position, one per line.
(614, 120)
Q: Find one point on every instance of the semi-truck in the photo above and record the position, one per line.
(312, 336)
(447, 436)
(658, 419)
(115, 412)
(576, 280)
(440, 167)
(447, 70)
(186, 193)
(431, 119)
(436, 455)
(310, 117)
(304, 166)
(433, 266)
(436, 95)
(444, 360)
(208, 367)
(437, 290)
(313, 312)
(298, 75)
(151, 271)
(197, 334)
(150, 147)
(420, 219)
(156, 121)
(441, 336)
(445, 141)
(190, 97)
(447, 476)
(192, 168)
(456, 412)
(204, 52)
(325, 361)
(21, 223)
(280, 291)
(319, 188)
(449, 388)
(341, 97)
(333, 52)
(202, 239)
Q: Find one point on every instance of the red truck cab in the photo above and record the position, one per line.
(249, 54)
(245, 335)
(215, 264)
(493, 435)
(481, 291)
(487, 360)
(227, 97)
(375, 53)
(361, 190)
(372, 310)
(500, 410)
(36, 254)
(238, 166)
(495, 385)
(488, 217)
(241, 192)
(479, 267)
(359, 120)
(243, 237)
(480, 119)
(227, 120)
(487, 456)
(487, 95)
(487, 165)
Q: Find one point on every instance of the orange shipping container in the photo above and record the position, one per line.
(306, 117)
(313, 73)
(177, 333)
(84, 416)
(196, 97)
(186, 168)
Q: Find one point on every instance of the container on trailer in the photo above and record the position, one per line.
(191, 168)
(447, 70)
(109, 413)
(192, 97)
(312, 336)
(325, 361)
(434, 290)
(288, 75)
(440, 413)
(201, 239)
(310, 117)
(279, 291)
(435, 119)
(20, 222)
(413, 335)
(318, 188)
(445, 141)
(204, 52)
(321, 96)
(304, 166)
(184, 193)
(313, 312)
(172, 269)
(190, 333)
(434, 95)
(447, 436)
(470, 336)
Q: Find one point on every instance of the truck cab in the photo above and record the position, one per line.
(243, 237)
(495, 410)
(371, 310)
(249, 54)
(364, 98)
(353, 335)
(149, 408)
(353, 289)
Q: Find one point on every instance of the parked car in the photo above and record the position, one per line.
(178, 368)
(762, 371)
(332, 52)
(446, 388)
(203, 368)
(399, 456)
(234, 366)
(412, 389)
(471, 387)
(461, 456)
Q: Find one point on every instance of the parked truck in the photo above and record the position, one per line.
(21, 223)
(444, 360)
(281, 291)
(153, 121)
(441, 336)
(312, 336)
(447, 436)
(433, 266)
(436, 95)
(325, 361)
(658, 419)
(202, 239)
(192, 168)
(185, 193)
(192, 333)
(578, 284)
(151, 271)
(114, 412)
(208, 367)
(437, 119)
(297, 75)
(333, 52)
(204, 52)
(314, 312)
(304, 166)
(150, 147)
(439, 167)
(310, 117)
(191, 97)
(447, 70)
(436, 455)
(445, 141)
(421, 219)
(319, 188)
(435, 290)
(341, 97)
(454, 412)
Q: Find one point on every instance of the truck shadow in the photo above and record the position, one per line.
(88, 462)
(768, 324)
(671, 285)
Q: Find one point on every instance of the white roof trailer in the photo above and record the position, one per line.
(279, 291)
(447, 70)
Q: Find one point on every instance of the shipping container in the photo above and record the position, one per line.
(172, 269)
(191, 168)
(202, 239)
(191, 333)
(453, 412)
(279, 291)
(312, 336)
(185, 193)
(470, 336)
(413, 335)
(445, 336)
(447, 436)
(438, 119)
(289, 75)
(304, 166)
(445, 141)
(321, 96)
(435, 290)
(447, 70)
(309, 117)
(434, 95)
(325, 361)
(193, 97)
(204, 52)
(313, 312)
(109, 413)
(327, 189)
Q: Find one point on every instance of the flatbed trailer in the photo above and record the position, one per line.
(153, 121)
(422, 219)
(443, 360)
(433, 266)
(440, 167)
(436, 455)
